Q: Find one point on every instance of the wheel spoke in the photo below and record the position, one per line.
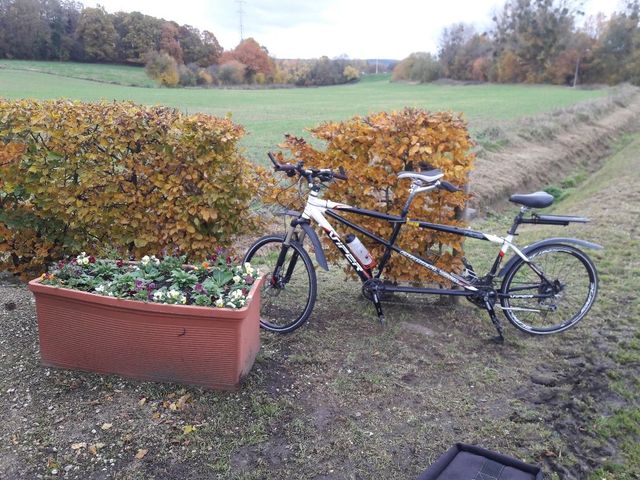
(287, 297)
(556, 305)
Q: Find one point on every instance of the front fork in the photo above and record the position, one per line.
(293, 235)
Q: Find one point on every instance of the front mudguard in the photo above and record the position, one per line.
(309, 232)
(317, 246)
(556, 240)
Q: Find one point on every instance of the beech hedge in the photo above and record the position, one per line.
(373, 150)
(117, 176)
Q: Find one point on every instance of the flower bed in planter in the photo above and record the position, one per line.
(148, 340)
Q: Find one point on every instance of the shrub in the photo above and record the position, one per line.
(204, 77)
(117, 175)
(187, 76)
(350, 73)
(231, 73)
(373, 150)
(162, 68)
(418, 67)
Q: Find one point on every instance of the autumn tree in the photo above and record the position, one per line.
(616, 50)
(138, 34)
(534, 32)
(418, 67)
(254, 56)
(465, 54)
(169, 41)
(452, 40)
(211, 50)
(97, 35)
(25, 32)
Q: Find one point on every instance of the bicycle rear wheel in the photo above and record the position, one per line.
(555, 301)
(289, 291)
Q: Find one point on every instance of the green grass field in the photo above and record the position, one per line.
(116, 74)
(270, 113)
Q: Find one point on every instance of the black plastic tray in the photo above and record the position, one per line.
(468, 462)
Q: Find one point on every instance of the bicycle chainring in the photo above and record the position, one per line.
(373, 285)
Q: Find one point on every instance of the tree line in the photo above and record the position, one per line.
(536, 41)
(65, 30)
(173, 54)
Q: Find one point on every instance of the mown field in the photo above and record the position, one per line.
(97, 72)
(270, 113)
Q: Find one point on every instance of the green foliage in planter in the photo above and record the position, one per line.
(216, 282)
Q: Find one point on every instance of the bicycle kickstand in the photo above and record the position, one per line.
(378, 305)
(495, 320)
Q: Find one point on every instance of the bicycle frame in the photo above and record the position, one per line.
(316, 209)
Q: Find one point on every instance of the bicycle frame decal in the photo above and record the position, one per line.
(437, 270)
(335, 238)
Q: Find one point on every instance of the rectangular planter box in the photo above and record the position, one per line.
(468, 462)
(211, 347)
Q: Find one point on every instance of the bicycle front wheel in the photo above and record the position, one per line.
(289, 291)
(554, 300)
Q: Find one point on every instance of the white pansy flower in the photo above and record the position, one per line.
(82, 259)
(155, 260)
(158, 296)
(249, 269)
(145, 260)
(236, 294)
(100, 288)
(220, 303)
(237, 279)
(231, 305)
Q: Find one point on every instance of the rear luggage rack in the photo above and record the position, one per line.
(564, 220)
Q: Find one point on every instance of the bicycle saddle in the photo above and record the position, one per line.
(532, 200)
(429, 176)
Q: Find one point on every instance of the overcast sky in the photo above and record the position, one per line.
(311, 28)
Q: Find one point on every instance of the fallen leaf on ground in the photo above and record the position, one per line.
(141, 453)
(188, 429)
(183, 400)
(93, 449)
(106, 426)
(142, 401)
(79, 445)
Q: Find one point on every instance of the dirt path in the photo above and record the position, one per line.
(535, 163)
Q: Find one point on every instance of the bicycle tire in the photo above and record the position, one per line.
(275, 312)
(579, 279)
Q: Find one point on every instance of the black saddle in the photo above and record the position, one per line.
(532, 200)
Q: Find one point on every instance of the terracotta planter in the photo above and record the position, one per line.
(211, 347)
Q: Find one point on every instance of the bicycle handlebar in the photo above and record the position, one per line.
(323, 174)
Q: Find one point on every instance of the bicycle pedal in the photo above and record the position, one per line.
(383, 321)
